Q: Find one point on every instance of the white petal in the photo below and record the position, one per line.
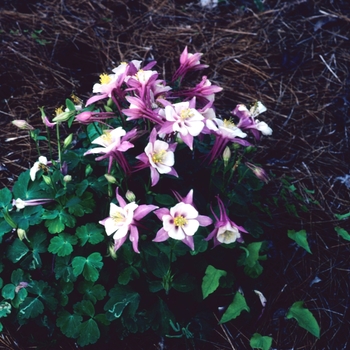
(191, 227)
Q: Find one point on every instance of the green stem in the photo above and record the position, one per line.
(58, 143)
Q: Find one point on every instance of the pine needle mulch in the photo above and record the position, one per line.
(293, 56)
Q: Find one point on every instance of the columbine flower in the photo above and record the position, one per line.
(113, 142)
(181, 222)
(21, 204)
(188, 62)
(41, 164)
(124, 218)
(248, 121)
(258, 172)
(226, 132)
(183, 118)
(226, 231)
(21, 285)
(159, 156)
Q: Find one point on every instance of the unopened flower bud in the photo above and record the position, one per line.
(22, 124)
(111, 179)
(88, 170)
(63, 117)
(67, 141)
(67, 178)
(22, 234)
(112, 252)
(130, 196)
(258, 172)
(226, 155)
(47, 179)
(84, 117)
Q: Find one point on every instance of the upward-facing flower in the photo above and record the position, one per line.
(159, 157)
(184, 119)
(181, 222)
(113, 142)
(124, 219)
(225, 231)
(188, 62)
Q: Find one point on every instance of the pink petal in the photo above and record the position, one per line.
(134, 238)
(204, 220)
(142, 210)
(161, 236)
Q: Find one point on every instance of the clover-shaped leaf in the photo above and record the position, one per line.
(92, 292)
(69, 323)
(88, 333)
(89, 266)
(62, 244)
(90, 233)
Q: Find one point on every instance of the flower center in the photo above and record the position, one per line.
(59, 111)
(118, 217)
(158, 157)
(105, 79)
(229, 124)
(185, 114)
(180, 221)
(107, 137)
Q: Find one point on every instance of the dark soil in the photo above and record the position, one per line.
(293, 56)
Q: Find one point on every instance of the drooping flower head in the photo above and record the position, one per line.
(225, 231)
(159, 157)
(41, 164)
(124, 219)
(181, 222)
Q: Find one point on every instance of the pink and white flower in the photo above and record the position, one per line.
(184, 119)
(181, 222)
(159, 156)
(225, 231)
(113, 143)
(124, 219)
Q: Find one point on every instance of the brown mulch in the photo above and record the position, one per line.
(293, 56)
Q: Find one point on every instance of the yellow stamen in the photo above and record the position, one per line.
(76, 99)
(229, 124)
(105, 79)
(180, 221)
(185, 114)
(118, 217)
(107, 136)
(59, 110)
(157, 157)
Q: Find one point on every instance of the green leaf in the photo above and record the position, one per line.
(17, 251)
(58, 220)
(38, 245)
(85, 308)
(90, 233)
(211, 280)
(88, 333)
(304, 318)
(70, 105)
(62, 244)
(89, 266)
(5, 197)
(92, 292)
(8, 291)
(159, 265)
(81, 187)
(29, 216)
(79, 206)
(69, 324)
(5, 308)
(63, 269)
(30, 308)
(260, 342)
(164, 199)
(127, 275)
(250, 259)
(44, 291)
(342, 216)
(235, 308)
(300, 238)
(342, 233)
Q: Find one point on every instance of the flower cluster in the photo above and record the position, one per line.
(138, 103)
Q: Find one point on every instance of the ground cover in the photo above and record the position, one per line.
(292, 56)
